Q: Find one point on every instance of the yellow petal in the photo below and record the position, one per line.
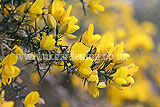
(17, 50)
(48, 43)
(36, 7)
(130, 79)
(9, 69)
(78, 53)
(31, 98)
(93, 90)
(17, 71)
(120, 81)
(86, 72)
(70, 36)
(10, 59)
(132, 69)
(30, 105)
(90, 31)
(72, 29)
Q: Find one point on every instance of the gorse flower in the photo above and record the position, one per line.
(17, 50)
(117, 54)
(66, 22)
(31, 99)
(8, 70)
(89, 38)
(56, 9)
(48, 43)
(84, 69)
(36, 7)
(101, 48)
(33, 9)
(69, 28)
(122, 78)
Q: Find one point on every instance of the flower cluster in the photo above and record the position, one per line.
(39, 30)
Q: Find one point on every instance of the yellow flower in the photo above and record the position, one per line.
(88, 38)
(132, 69)
(31, 99)
(117, 54)
(85, 69)
(56, 9)
(65, 103)
(121, 78)
(106, 44)
(17, 50)
(48, 43)
(95, 7)
(65, 17)
(78, 53)
(69, 28)
(51, 21)
(35, 77)
(36, 7)
(9, 71)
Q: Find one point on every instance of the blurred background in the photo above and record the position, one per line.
(136, 23)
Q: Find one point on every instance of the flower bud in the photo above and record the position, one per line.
(63, 29)
(51, 21)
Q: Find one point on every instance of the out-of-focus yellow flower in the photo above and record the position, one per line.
(88, 38)
(120, 33)
(51, 21)
(117, 54)
(65, 103)
(78, 53)
(34, 77)
(140, 40)
(18, 50)
(31, 99)
(149, 28)
(56, 9)
(9, 71)
(48, 43)
(95, 7)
